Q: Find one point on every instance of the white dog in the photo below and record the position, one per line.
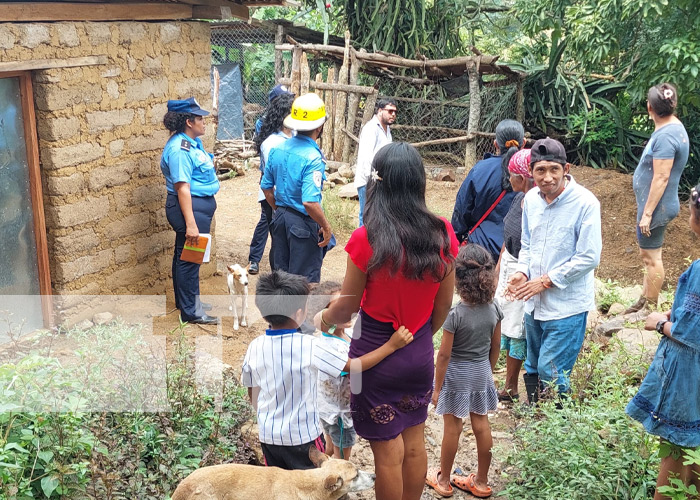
(238, 285)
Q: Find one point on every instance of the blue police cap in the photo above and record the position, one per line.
(190, 106)
(277, 91)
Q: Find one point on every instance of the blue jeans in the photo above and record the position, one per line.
(362, 195)
(553, 346)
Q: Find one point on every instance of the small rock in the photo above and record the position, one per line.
(593, 318)
(85, 324)
(609, 327)
(444, 175)
(227, 164)
(461, 170)
(430, 441)
(500, 435)
(639, 342)
(336, 179)
(616, 309)
(349, 191)
(240, 170)
(102, 318)
(327, 186)
(630, 294)
(346, 171)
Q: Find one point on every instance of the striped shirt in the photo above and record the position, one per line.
(284, 364)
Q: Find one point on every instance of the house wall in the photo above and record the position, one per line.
(100, 137)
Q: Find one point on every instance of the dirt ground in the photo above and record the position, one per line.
(238, 212)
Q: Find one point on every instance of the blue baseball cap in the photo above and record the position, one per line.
(277, 91)
(190, 106)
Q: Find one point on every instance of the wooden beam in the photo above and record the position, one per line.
(75, 11)
(70, 62)
(314, 85)
(229, 11)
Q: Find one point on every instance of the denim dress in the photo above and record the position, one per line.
(668, 401)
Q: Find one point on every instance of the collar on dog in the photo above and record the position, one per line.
(281, 331)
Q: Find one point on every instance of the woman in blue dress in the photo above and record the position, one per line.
(668, 401)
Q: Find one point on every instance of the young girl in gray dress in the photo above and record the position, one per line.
(471, 338)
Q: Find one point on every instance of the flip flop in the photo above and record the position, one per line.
(468, 484)
(431, 479)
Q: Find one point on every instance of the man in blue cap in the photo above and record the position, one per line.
(292, 185)
(191, 183)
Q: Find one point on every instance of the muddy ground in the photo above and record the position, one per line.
(238, 212)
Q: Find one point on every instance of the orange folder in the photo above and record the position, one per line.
(195, 253)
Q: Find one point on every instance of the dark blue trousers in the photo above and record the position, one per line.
(257, 244)
(186, 274)
(295, 244)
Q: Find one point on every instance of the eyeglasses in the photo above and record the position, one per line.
(390, 111)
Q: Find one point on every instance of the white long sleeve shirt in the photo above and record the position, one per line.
(372, 139)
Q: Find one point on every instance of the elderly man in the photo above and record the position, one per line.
(292, 184)
(561, 245)
(374, 136)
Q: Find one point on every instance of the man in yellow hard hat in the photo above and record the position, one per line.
(292, 184)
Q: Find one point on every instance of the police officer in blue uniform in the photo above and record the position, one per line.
(190, 179)
(292, 184)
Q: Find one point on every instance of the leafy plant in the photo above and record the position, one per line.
(677, 490)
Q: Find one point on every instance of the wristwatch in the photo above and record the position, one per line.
(660, 326)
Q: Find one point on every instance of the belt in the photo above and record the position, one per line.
(295, 212)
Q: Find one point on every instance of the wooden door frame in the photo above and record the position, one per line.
(35, 189)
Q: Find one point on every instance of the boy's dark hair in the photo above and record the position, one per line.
(320, 297)
(475, 273)
(279, 295)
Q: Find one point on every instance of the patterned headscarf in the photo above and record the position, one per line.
(520, 163)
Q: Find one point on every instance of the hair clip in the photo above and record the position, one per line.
(668, 93)
(375, 175)
(695, 198)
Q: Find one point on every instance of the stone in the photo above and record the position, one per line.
(98, 33)
(85, 324)
(157, 112)
(443, 175)
(65, 185)
(7, 38)
(100, 121)
(169, 32)
(69, 156)
(209, 370)
(73, 214)
(593, 319)
(111, 72)
(346, 171)
(152, 66)
(123, 253)
(109, 176)
(47, 76)
(33, 35)
(461, 171)
(116, 147)
(616, 309)
(56, 129)
(630, 295)
(52, 98)
(152, 142)
(348, 192)
(127, 226)
(76, 242)
(130, 276)
(82, 266)
(102, 318)
(67, 34)
(177, 62)
(639, 342)
(608, 328)
(130, 32)
(336, 178)
(113, 89)
(141, 90)
(194, 86)
(153, 243)
(145, 167)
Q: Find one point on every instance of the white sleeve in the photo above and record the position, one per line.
(327, 359)
(246, 370)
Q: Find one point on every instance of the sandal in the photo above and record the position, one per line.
(468, 484)
(508, 397)
(431, 479)
(637, 306)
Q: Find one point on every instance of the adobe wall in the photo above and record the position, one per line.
(100, 138)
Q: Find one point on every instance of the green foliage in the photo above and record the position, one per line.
(589, 448)
(341, 213)
(81, 452)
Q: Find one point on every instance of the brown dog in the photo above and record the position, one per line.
(331, 480)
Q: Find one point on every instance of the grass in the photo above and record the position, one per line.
(340, 212)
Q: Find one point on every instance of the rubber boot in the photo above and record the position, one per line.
(532, 387)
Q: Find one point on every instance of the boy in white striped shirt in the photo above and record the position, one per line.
(284, 364)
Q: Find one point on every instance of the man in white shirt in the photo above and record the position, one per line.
(375, 134)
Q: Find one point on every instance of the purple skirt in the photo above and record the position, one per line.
(395, 394)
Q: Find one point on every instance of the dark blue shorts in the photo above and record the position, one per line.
(654, 240)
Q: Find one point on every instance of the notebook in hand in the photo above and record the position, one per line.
(195, 253)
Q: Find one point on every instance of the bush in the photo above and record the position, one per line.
(86, 452)
(589, 448)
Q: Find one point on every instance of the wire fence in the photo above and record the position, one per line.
(425, 113)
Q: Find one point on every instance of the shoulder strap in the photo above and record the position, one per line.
(483, 217)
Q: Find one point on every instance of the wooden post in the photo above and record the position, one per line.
(279, 39)
(474, 115)
(296, 71)
(305, 75)
(519, 102)
(318, 79)
(285, 68)
(327, 137)
(353, 104)
(339, 111)
(370, 103)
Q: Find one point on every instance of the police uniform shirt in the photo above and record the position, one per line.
(296, 169)
(185, 160)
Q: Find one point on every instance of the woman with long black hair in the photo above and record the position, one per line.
(272, 133)
(400, 271)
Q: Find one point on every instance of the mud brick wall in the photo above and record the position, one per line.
(100, 138)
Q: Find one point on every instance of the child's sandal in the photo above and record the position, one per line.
(468, 484)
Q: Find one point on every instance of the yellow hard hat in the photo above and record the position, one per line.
(308, 113)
